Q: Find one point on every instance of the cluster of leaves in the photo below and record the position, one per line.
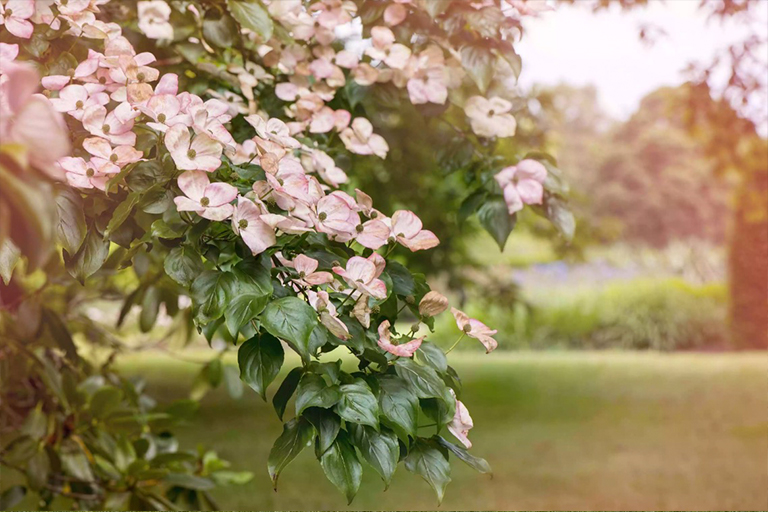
(371, 414)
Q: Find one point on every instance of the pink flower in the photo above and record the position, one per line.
(522, 184)
(531, 7)
(406, 229)
(8, 54)
(402, 350)
(475, 329)
(273, 130)
(337, 216)
(427, 85)
(153, 19)
(92, 174)
(360, 139)
(362, 275)
(165, 110)
(490, 117)
(30, 120)
(462, 423)
(107, 125)
(201, 153)
(119, 156)
(326, 119)
(15, 16)
(247, 222)
(306, 268)
(321, 302)
(432, 304)
(373, 234)
(209, 200)
(395, 14)
(75, 99)
(394, 55)
(319, 161)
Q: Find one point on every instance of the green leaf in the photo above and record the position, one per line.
(478, 63)
(105, 401)
(471, 203)
(122, 212)
(220, 31)
(327, 425)
(399, 406)
(232, 381)
(74, 462)
(513, 58)
(9, 257)
(314, 392)
(12, 496)
(260, 359)
(560, 216)
(402, 280)
(297, 435)
(433, 356)
(38, 468)
(211, 292)
(197, 483)
(342, 467)
(150, 307)
(242, 310)
(431, 464)
(358, 404)
(285, 391)
(292, 320)
(422, 380)
(183, 264)
(91, 256)
(462, 454)
(36, 424)
(252, 15)
(71, 227)
(495, 218)
(380, 449)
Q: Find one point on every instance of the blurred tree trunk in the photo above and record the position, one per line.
(748, 262)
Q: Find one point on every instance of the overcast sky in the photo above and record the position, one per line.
(577, 46)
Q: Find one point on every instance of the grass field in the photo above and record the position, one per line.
(561, 430)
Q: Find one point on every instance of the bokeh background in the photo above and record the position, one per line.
(631, 369)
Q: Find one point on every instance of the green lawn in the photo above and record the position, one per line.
(561, 430)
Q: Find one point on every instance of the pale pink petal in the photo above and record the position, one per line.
(222, 212)
(193, 184)
(423, 240)
(305, 264)
(530, 191)
(405, 224)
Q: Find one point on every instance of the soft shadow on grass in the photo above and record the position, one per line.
(606, 430)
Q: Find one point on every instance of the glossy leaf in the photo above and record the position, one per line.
(260, 359)
(379, 448)
(297, 435)
(358, 404)
(285, 391)
(314, 392)
(495, 218)
(292, 320)
(342, 467)
(183, 264)
(427, 461)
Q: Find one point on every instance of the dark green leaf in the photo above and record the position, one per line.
(495, 218)
(342, 467)
(422, 380)
(358, 404)
(402, 281)
(91, 256)
(150, 307)
(260, 359)
(211, 292)
(38, 468)
(122, 212)
(426, 460)
(220, 30)
(476, 463)
(327, 424)
(471, 204)
(285, 391)
(314, 392)
(398, 405)
(297, 435)
(242, 310)
(74, 461)
(379, 448)
(71, 227)
(183, 265)
(292, 320)
(432, 356)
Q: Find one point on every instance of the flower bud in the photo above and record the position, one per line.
(433, 304)
(415, 327)
(410, 299)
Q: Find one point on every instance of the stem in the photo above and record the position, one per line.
(345, 299)
(456, 343)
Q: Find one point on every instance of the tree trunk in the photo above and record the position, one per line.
(748, 262)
